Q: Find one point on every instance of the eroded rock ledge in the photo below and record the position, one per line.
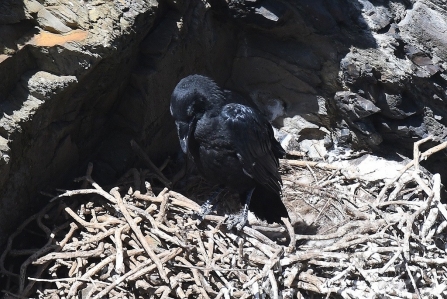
(63, 65)
(80, 79)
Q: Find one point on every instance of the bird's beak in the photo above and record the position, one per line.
(183, 133)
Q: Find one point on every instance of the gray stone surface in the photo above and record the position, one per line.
(49, 22)
(79, 79)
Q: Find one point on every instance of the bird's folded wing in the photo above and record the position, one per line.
(252, 136)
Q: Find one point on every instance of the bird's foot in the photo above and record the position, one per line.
(238, 220)
(208, 206)
(205, 209)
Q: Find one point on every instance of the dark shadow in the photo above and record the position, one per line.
(14, 61)
(283, 48)
(11, 12)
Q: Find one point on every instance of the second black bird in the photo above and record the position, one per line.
(232, 145)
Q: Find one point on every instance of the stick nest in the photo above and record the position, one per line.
(347, 238)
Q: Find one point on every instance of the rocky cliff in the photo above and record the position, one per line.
(80, 79)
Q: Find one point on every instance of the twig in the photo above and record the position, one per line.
(73, 279)
(410, 221)
(214, 269)
(416, 152)
(74, 288)
(178, 200)
(69, 255)
(433, 213)
(87, 175)
(163, 207)
(17, 232)
(290, 277)
(196, 276)
(267, 267)
(312, 172)
(412, 281)
(119, 262)
(309, 163)
(140, 236)
(164, 259)
(433, 150)
(391, 261)
(291, 232)
(273, 283)
(255, 234)
(139, 151)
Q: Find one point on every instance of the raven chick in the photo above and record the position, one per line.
(232, 145)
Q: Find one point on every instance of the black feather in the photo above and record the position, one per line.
(231, 143)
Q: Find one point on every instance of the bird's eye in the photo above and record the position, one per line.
(190, 111)
(200, 105)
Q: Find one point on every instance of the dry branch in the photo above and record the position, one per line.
(128, 243)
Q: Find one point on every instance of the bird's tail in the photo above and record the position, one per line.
(266, 204)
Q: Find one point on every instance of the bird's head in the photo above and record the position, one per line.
(193, 96)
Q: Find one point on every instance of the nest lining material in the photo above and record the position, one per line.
(348, 238)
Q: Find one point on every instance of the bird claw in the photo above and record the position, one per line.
(205, 209)
(237, 220)
(208, 206)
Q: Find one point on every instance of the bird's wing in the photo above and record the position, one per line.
(252, 136)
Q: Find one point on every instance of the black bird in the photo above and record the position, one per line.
(232, 145)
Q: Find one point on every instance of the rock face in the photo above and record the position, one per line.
(80, 79)
(61, 72)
